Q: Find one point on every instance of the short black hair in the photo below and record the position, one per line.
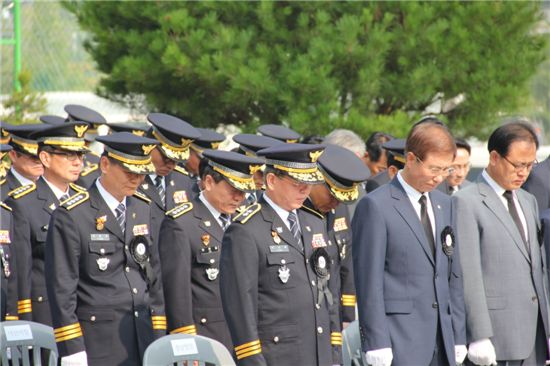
(374, 144)
(501, 138)
(206, 169)
(463, 144)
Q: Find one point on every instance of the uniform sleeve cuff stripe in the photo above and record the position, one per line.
(12, 317)
(24, 311)
(248, 349)
(190, 329)
(68, 337)
(248, 354)
(68, 332)
(67, 328)
(158, 318)
(24, 301)
(246, 345)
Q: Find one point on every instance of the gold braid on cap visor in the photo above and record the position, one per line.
(172, 151)
(340, 192)
(241, 181)
(29, 146)
(303, 172)
(65, 143)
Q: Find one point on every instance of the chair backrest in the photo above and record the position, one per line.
(27, 343)
(176, 348)
(352, 352)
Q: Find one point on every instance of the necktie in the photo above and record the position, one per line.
(64, 197)
(426, 223)
(295, 228)
(515, 215)
(160, 189)
(224, 218)
(121, 216)
(251, 199)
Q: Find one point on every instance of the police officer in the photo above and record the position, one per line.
(169, 185)
(137, 128)
(60, 149)
(280, 133)
(106, 302)
(90, 171)
(395, 154)
(8, 277)
(343, 172)
(26, 167)
(275, 269)
(208, 139)
(190, 245)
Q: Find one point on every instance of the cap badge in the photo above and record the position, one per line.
(138, 132)
(147, 148)
(80, 130)
(254, 168)
(186, 142)
(314, 155)
(215, 145)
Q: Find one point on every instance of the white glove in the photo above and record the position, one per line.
(460, 353)
(482, 352)
(76, 359)
(380, 357)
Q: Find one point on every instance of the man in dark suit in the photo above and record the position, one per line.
(275, 270)
(190, 245)
(407, 269)
(395, 151)
(26, 167)
(169, 185)
(538, 184)
(461, 166)
(61, 149)
(497, 229)
(106, 300)
(343, 172)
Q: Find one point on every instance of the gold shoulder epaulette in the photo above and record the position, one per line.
(22, 191)
(181, 170)
(247, 213)
(75, 200)
(89, 169)
(77, 188)
(310, 210)
(142, 197)
(2, 182)
(5, 206)
(179, 210)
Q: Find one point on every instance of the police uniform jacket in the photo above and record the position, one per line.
(538, 184)
(8, 184)
(32, 206)
(190, 248)
(101, 300)
(90, 171)
(177, 190)
(8, 275)
(269, 291)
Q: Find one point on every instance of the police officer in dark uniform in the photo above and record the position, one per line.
(343, 172)
(275, 269)
(208, 139)
(26, 167)
(8, 277)
(4, 140)
(280, 133)
(190, 245)
(137, 128)
(60, 149)
(395, 154)
(169, 185)
(106, 301)
(90, 171)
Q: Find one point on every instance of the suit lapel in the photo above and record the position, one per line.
(307, 234)
(149, 189)
(495, 205)
(207, 221)
(439, 225)
(45, 194)
(530, 218)
(103, 211)
(405, 209)
(278, 226)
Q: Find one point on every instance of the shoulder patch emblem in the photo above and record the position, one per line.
(181, 170)
(180, 210)
(77, 188)
(75, 200)
(312, 211)
(22, 191)
(142, 197)
(89, 169)
(5, 206)
(247, 213)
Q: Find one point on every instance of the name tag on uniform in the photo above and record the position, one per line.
(140, 230)
(340, 224)
(278, 248)
(5, 237)
(100, 237)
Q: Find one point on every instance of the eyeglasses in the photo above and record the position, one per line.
(437, 171)
(70, 156)
(518, 167)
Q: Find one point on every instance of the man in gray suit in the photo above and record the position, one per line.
(502, 260)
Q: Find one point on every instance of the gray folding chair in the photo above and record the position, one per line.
(27, 343)
(352, 353)
(178, 348)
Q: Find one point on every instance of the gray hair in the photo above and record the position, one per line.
(347, 139)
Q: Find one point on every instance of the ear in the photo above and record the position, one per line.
(494, 157)
(104, 164)
(270, 181)
(45, 158)
(411, 158)
(12, 154)
(207, 183)
(392, 171)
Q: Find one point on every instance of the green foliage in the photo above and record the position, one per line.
(23, 106)
(316, 65)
